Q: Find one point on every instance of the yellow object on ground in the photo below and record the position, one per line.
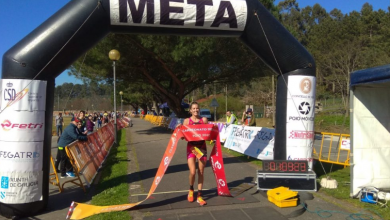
(283, 197)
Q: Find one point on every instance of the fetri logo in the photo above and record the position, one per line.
(8, 125)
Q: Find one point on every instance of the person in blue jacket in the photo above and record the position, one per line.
(70, 134)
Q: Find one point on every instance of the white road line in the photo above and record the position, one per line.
(157, 193)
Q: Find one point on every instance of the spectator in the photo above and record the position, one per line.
(89, 124)
(95, 116)
(248, 118)
(59, 124)
(230, 118)
(105, 118)
(99, 121)
(71, 134)
(81, 117)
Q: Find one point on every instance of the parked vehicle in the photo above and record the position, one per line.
(205, 113)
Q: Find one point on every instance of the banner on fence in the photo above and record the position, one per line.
(190, 133)
(89, 155)
(255, 142)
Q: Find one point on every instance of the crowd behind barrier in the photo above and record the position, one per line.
(88, 156)
(257, 142)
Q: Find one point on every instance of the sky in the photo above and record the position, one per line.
(20, 17)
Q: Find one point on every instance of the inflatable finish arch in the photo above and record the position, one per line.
(48, 51)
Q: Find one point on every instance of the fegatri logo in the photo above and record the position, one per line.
(7, 125)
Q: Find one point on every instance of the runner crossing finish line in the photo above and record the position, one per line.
(205, 132)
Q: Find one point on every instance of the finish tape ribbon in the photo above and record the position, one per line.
(190, 133)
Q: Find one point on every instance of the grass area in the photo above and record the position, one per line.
(331, 123)
(113, 188)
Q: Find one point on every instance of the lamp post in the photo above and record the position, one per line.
(114, 55)
(121, 93)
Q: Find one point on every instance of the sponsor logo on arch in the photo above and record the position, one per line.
(7, 125)
(305, 85)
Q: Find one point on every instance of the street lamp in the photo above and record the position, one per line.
(121, 93)
(114, 55)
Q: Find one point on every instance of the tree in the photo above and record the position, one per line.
(343, 44)
(173, 66)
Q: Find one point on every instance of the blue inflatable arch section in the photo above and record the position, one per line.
(94, 19)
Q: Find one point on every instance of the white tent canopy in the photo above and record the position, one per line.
(370, 128)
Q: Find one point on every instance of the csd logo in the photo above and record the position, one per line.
(9, 94)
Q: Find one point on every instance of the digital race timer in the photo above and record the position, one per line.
(285, 166)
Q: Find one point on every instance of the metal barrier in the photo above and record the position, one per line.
(53, 177)
(342, 148)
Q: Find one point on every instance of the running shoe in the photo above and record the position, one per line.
(191, 196)
(70, 174)
(201, 201)
(63, 176)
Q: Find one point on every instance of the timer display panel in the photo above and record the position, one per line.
(285, 166)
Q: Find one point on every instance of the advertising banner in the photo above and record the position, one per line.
(23, 95)
(80, 158)
(20, 187)
(98, 155)
(213, 14)
(222, 130)
(89, 155)
(345, 144)
(22, 125)
(190, 133)
(255, 142)
(20, 156)
(300, 118)
(97, 138)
